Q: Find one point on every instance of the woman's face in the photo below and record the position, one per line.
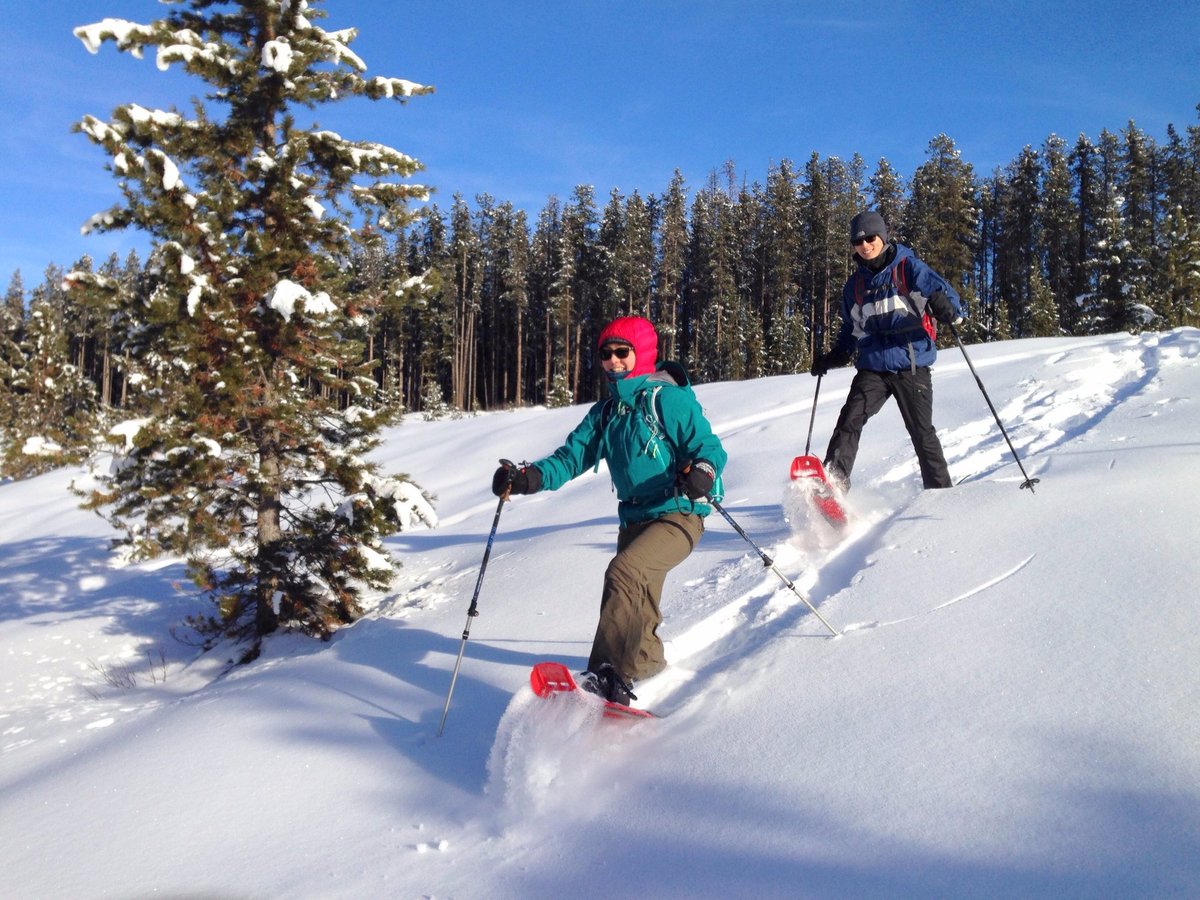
(611, 359)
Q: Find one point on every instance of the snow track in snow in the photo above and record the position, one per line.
(979, 588)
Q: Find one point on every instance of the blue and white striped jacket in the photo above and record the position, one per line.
(884, 316)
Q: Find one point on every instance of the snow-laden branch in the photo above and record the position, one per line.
(127, 35)
(277, 55)
(189, 52)
(379, 86)
(407, 500)
(367, 157)
(287, 297)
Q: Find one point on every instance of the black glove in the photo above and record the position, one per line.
(516, 479)
(696, 478)
(834, 359)
(941, 308)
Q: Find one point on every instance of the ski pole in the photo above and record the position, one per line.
(1028, 482)
(770, 563)
(813, 418)
(473, 611)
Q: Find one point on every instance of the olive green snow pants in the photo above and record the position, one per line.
(627, 635)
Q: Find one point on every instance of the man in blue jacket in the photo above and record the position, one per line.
(888, 310)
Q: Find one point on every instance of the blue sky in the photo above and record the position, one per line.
(534, 98)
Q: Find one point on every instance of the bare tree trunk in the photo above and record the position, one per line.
(106, 376)
(470, 366)
(125, 384)
(573, 375)
(518, 394)
(270, 533)
(547, 371)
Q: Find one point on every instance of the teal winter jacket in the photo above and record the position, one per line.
(647, 430)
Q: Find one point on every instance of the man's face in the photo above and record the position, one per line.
(869, 247)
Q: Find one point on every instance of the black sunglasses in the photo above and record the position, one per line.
(618, 352)
(868, 239)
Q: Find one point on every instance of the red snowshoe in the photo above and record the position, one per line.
(550, 678)
(811, 474)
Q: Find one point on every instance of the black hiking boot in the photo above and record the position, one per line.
(837, 476)
(613, 687)
(606, 683)
(590, 682)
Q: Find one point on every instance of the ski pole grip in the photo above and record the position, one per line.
(510, 469)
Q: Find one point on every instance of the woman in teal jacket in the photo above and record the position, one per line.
(664, 461)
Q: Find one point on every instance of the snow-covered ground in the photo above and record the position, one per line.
(1012, 709)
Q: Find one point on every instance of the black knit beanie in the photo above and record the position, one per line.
(867, 223)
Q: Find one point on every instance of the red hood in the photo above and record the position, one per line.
(638, 333)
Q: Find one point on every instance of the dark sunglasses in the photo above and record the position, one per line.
(868, 239)
(618, 352)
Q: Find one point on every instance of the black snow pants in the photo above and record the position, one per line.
(913, 390)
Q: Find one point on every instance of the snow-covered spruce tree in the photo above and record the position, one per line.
(51, 405)
(1182, 269)
(12, 360)
(251, 460)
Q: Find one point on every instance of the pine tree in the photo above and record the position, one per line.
(1182, 270)
(466, 251)
(887, 198)
(784, 323)
(1042, 317)
(12, 360)
(981, 324)
(611, 268)
(431, 335)
(942, 214)
(1181, 170)
(833, 254)
(744, 348)
(1138, 183)
(512, 260)
(821, 235)
(562, 312)
(635, 255)
(52, 404)
(711, 291)
(1117, 265)
(14, 305)
(582, 308)
(248, 463)
(669, 265)
(1090, 197)
(375, 271)
(1115, 306)
(545, 252)
(1057, 213)
(1002, 331)
(1018, 237)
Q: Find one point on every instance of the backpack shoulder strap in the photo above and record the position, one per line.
(900, 278)
(653, 408)
(606, 413)
(900, 275)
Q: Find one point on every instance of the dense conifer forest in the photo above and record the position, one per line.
(742, 278)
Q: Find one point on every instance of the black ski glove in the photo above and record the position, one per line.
(696, 478)
(525, 479)
(941, 308)
(834, 359)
